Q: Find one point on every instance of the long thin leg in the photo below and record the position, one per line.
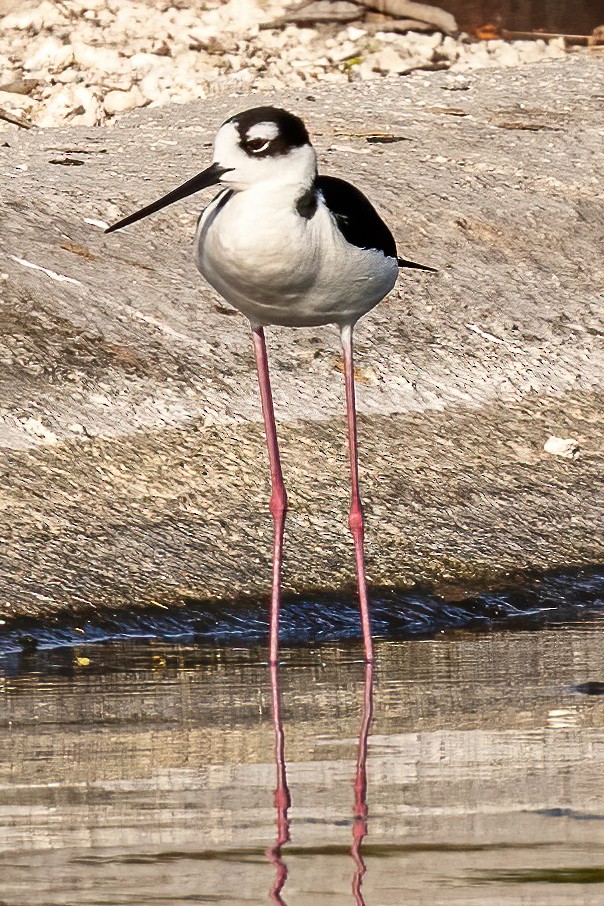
(359, 831)
(278, 505)
(356, 511)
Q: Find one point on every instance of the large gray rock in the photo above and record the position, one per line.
(133, 461)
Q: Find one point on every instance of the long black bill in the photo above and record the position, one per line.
(204, 179)
(402, 262)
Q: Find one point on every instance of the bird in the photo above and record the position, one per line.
(287, 246)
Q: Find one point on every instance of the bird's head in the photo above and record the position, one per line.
(264, 144)
(261, 145)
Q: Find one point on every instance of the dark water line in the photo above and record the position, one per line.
(395, 614)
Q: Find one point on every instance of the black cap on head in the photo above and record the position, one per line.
(291, 131)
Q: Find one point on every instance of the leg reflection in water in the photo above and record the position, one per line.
(283, 800)
(359, 828)
(282, 797)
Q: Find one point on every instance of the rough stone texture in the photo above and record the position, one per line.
(133, 463)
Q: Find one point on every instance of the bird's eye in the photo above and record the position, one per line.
(256, 145)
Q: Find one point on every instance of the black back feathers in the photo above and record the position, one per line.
(357, 219)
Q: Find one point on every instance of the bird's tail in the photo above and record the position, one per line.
(402, 262)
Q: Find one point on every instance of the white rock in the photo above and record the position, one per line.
(363, 71)
(242, 75)
(449, 48)
(147, 51)
(342, 52)
(473, 56)
(71, 104)
(355, 33)
(419, 41)
(45, 15)
(530, 51)
(562, 446)
(13, 101)
(305, 35)
(507, 55)
(49, 55)
(149, 62)
(120, 101)
(100, 59)
(556, 48)
(68, 75)
(241, 15)
(105, 17)
(190, 60)
(387, 60)
(152, 87)
(93, 113)
(36, 428)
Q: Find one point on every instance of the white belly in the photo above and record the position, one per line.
(280, 268)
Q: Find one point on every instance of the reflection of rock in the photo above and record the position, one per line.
(161, 485)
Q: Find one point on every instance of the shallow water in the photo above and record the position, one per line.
(143, 772)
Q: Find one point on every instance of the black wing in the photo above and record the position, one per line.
(357, 219)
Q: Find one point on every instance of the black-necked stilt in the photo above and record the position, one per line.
(287, 246)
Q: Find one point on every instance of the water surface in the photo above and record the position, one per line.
(143, 772)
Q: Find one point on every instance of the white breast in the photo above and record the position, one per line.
(280, 268)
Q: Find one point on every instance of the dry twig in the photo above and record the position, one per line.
(14, 120)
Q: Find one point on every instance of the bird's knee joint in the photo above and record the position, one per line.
(278, 504)
(355, 520)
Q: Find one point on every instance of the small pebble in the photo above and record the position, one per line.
(562, 446)
(120, 101)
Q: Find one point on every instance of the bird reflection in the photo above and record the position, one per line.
(282, 797)
(359, 827)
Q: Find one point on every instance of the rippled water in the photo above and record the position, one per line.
(144, 772)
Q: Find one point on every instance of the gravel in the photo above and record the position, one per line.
(88, 61)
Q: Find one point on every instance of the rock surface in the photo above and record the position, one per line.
(133, 461)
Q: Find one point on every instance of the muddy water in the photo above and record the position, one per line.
(466, 770)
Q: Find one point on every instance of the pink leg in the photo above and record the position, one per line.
(278, 505)
(356, 510)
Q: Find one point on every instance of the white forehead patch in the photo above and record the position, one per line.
(266, 131)
(227, 138)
